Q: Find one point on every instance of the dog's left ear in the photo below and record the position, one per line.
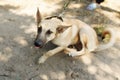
(38, 16)
(62, 28)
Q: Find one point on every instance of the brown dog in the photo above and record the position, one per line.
(68, 32)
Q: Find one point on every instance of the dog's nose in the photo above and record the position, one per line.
(38, 43)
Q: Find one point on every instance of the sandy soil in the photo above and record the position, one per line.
(18, 56)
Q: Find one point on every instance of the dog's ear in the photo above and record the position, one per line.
(62, 28)
(38, 16)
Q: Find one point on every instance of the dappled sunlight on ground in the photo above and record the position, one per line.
(21, 41)
(6, 54)
(18, 56)
(86, 59)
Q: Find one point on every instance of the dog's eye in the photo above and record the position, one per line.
(49, 32)
(39, 29)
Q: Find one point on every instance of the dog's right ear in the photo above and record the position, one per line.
(38, 16)
(62, 28)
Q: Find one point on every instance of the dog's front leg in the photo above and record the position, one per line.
(43, 58)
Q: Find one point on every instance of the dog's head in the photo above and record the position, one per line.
(47, 29)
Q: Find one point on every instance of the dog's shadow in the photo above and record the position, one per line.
(41, 51)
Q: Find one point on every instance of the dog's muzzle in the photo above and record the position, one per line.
(38, 43)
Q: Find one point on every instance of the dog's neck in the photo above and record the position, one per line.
(58, 17)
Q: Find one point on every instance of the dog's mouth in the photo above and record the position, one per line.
(38, 46)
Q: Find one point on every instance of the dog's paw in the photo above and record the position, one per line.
(72, 54)
(41, 60)
(75, 54)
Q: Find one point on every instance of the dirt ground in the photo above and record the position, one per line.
(18, 57)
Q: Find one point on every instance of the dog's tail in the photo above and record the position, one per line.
(111, 41)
